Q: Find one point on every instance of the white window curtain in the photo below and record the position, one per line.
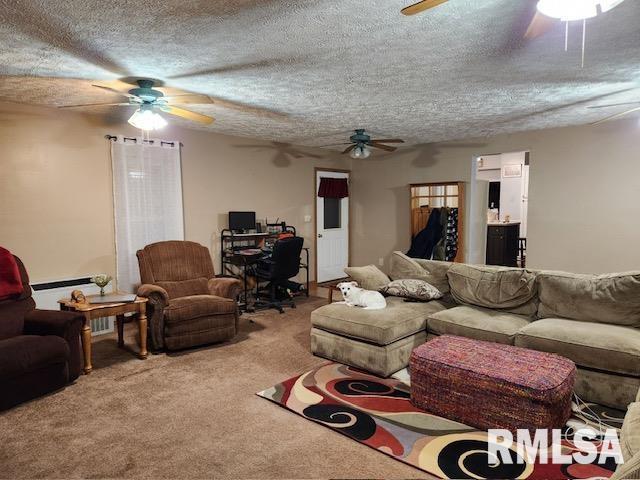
(147, 197)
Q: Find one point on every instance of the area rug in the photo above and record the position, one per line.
(378, 413)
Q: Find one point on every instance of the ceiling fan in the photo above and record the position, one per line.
(616, 115)
(360, 142)
(150, 102)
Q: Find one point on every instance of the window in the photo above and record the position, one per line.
(332, 213)
(147, 193)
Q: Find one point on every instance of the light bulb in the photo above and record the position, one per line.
(569, 10)
(361, 151)
(147, 119)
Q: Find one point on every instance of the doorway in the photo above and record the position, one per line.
(332, 227)
(499, 209)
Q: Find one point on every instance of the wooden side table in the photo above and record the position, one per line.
(99, 310)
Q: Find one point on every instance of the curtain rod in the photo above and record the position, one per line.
(135, 140)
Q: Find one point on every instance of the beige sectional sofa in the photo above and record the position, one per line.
(592, 320)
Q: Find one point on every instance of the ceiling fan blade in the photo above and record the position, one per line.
(388, 140)
(99, 105)
(382, 147)
(113, 90)
(188, 98)
(421, 6)
(613, 105)
(188, 114)
(335, 144)
(617, 115)
(259, 111)
(540, 24)
(349, 149)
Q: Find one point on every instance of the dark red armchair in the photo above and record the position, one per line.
(39, 349)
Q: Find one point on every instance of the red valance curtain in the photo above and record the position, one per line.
(333, 188)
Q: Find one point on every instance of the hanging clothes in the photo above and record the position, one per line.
(423, 243)
(440, 248)
(451, 243)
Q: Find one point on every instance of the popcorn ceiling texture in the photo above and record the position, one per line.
(460, 70)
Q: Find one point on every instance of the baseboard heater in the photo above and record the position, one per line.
(47, 294)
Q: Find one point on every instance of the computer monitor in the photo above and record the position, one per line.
(241, 221)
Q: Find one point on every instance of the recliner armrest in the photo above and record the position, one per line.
(62, 324)
(226, 287)
(147, 289)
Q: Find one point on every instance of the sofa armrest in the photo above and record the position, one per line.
(158, 299)
(147, 289)
(226, 287)
(62, 324)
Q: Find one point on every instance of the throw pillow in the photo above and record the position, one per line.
(431, 271)
(369, 277)
(412, 289)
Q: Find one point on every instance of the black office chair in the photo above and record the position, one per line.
(283, 264)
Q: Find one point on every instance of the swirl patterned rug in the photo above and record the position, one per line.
(377, 412)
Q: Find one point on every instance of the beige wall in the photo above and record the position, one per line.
(584, 197)
(56, 204)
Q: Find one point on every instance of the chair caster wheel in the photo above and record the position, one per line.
(293, 305)
(281, 310)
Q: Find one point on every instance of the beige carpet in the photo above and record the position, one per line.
(187, 415)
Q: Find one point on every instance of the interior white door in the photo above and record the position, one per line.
(332, 227)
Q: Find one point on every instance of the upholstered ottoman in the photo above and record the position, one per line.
(378, 341)
(490, 385)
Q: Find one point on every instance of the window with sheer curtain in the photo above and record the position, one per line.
(147, 194)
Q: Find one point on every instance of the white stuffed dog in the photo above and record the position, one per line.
(359, 297)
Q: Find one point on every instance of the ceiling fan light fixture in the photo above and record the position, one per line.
(146, 119)
(571, 10)
(361, 151)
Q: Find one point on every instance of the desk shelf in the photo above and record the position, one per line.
(236, 265)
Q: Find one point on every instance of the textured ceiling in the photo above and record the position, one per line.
(460, 70)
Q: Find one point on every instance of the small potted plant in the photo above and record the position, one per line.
(101, 280)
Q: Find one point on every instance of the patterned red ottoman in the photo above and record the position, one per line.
(489, 385)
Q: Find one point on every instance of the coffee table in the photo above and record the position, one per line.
(100, 310)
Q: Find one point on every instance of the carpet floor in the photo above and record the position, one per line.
(192, 414)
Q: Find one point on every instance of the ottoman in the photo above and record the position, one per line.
(489, 385)
(378, 341)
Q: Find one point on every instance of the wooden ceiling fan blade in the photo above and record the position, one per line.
(113, 90)
(188, 98)
(99, 105)
(347, 150)
(188, 114)
(421, 6)
(613, 105)
(259, 111)
(540, 24)
(617, 115)
(382, 147)
(388, 140)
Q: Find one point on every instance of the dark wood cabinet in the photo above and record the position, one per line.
(502, 244)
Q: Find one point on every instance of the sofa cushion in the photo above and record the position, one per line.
(184, 288)
(630, 436)
(507, 289)
(612, 298)
(380, 327)
(592, 345)
(369, 277)
(412, 289)
(28, 353)
(194, 306)
(477, 323)
(431, 271)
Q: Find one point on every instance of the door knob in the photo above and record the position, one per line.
(319, 235)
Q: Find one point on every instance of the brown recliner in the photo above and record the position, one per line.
(188, 305)
(39, 349)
